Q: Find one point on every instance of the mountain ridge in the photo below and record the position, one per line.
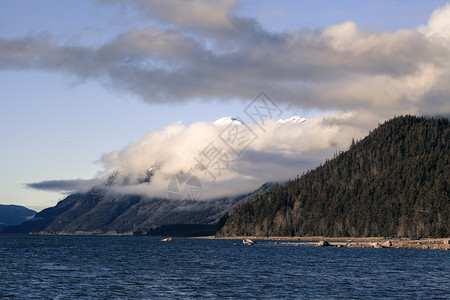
(14, 214)
(102, 212)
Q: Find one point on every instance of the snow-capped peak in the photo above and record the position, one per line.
(227, 121)
(292, 120)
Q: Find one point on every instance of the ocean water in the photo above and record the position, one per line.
(64, 267)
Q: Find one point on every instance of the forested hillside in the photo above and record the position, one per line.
(394, 182)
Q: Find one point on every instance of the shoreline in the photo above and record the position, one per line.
(313, 241)
(352, 242)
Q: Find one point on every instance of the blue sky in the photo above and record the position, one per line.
(56, 121)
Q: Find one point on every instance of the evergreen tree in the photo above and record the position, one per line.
(394, 182)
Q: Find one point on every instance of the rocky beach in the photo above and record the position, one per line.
(356, 242)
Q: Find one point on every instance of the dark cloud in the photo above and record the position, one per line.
(203, 49)
(68, 186)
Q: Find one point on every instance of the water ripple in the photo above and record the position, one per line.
(63, 267)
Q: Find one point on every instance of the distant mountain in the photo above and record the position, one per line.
(394, 182)
(292, 120)
(230, 120)
(101, 212)
(14, 214)
(227, 121)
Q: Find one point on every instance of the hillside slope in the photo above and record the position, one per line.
(14, 214)
(103, 212)
(394, 182)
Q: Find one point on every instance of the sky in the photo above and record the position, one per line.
(89, 88)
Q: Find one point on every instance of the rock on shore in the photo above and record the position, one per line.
(359, 242)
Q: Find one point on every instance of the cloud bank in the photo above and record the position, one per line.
(204, 49)
(227, 156)
(66, 186)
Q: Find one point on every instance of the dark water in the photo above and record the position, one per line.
(143, 267)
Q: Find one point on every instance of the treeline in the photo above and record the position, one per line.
(394, 183)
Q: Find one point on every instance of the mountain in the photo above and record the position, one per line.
(227, 121)
(394, 182)
(102, 212)
(14, 214)
(292, 120)
(230, 120)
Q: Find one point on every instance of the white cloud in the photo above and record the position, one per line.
(277, 153)
(439, 24)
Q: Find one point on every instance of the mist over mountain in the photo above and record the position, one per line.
(394, 182)
(100, 211)
(228, 155)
